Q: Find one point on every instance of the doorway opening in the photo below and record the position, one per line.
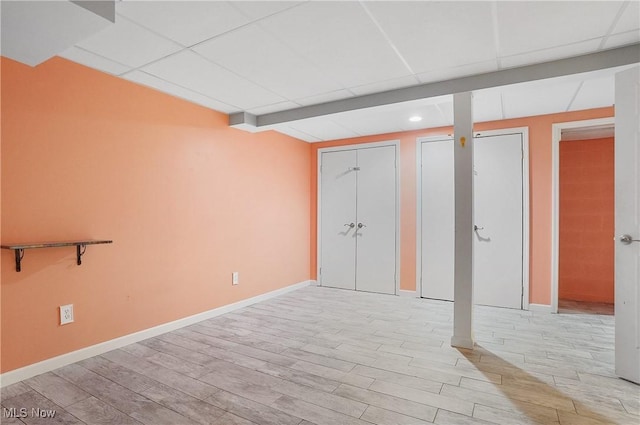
(586, 222)
(583, 254)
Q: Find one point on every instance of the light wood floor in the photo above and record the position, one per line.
(326, 356)
(581, 307)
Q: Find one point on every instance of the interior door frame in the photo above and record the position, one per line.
(396, 146)
(555, 196)
(524, 131)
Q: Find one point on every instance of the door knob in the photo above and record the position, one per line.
(476, 228)
(360, 225)
(627, 239)
(350, 225)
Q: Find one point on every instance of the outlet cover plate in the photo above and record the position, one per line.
(66, 314)
(234, 278)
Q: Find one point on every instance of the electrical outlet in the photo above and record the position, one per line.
(66, 314)
(234, 278)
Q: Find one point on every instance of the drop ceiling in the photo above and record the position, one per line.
(262, 57)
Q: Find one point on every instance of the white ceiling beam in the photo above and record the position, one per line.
(612, 58)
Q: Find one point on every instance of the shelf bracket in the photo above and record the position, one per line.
(19, 257)
(80, 249)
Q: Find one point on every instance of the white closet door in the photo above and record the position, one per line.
(498, 250)
(497, 256)
(437, 220)
(376, 213)
(338, 212)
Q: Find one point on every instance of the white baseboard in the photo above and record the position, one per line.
(53, 363)
(540, 308)
(410, 294)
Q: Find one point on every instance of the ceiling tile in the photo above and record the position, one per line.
(325, 97)
(588, 133)
(368, 121)
(630, 19)
(432, 117)
(381, 86)
(92, 60)
(256, 55)
(538, 97)
(129, 44)
(554, 53)
(622, 39)
(192, 71)
(444, 74)
(323, 129)
(34, 31)
(487, 105)
(446, 108)
(285, 129)
(435, 112)
(260, 9)
(172, 89)
(595, 93)
(433, 35)
(525, 26)
(341, 39)
(187, 22)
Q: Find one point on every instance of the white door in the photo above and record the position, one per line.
(338, 218)
(438, 220)
(498, 213)
(497, 250)
(376, 226)
(627, 222)
(358, 219)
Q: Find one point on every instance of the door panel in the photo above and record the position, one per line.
(627, 255)
(497, 246)
(338, 192)
(438, 220)
(376, 211)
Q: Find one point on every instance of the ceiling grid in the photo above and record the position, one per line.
(278, 59)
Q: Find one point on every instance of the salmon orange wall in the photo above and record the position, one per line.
(186, 199)
(586, 249)
(539, 186)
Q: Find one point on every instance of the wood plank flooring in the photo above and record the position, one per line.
(325, 356)
(581, 307)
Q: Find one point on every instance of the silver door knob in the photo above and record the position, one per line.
(476, 228)
(360, 225)
(627, 239)
(350, 225)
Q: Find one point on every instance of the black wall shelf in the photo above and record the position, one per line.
(81, 247)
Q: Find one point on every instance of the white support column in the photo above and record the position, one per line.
(463, 275)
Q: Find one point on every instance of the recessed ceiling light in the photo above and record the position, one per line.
(415, 118)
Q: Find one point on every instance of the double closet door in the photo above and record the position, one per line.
(358, 219)
(499, 221)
